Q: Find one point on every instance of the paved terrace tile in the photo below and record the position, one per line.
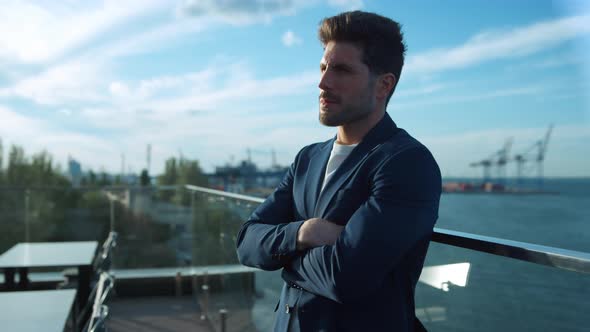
(168, 314)
(151, 314)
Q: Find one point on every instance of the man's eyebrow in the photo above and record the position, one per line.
(337, 66)
(344, 66)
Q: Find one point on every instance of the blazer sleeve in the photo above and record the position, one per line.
(267, 240)
(401, 210)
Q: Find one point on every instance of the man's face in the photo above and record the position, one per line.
(346, 85)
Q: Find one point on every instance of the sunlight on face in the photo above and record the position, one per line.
(346, 87)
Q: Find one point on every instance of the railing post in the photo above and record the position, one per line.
(205, 289)
(178, 284)
(26, 217)
(222, 319)
(193, 206)
(205, 309)
(112, 206)
(195, 285)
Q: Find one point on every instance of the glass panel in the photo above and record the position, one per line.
(153, 226)
(464, 290)
(53, 214)
(172, 227)
(12, 218)
(216, 223)
(460, 289)
(165, 230)
(558, 220)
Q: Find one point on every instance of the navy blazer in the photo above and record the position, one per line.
(387, 194)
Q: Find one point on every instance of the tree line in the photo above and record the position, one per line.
(39, 203)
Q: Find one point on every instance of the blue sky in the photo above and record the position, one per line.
(210, 79)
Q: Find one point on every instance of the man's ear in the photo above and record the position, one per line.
(385, 83)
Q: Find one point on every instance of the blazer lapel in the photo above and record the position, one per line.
(315, 177)
(379, 134)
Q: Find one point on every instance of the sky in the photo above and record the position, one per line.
(210, 80)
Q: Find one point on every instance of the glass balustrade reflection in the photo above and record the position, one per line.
(227, 294)
(465, 290)
(178, 230)
(52, 214)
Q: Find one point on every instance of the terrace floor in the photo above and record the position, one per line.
(169, 313)
(150, 314)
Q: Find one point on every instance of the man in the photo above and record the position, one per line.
(351, 221)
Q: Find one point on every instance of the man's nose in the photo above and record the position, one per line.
(325, 81)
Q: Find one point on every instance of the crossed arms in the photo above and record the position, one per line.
(343, 263)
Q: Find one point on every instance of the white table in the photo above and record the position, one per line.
(23, 256)
(34, 311)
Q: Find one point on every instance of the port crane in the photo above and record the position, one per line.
(540, 147)
(486, 164)
(499, 159)
(503, 157)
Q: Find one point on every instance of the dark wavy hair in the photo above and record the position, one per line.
(379, 38)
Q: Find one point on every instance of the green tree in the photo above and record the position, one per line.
(179, 173)
(144, 178)
(37, 196)
(92, 178)
(1, 163)
(103, 180)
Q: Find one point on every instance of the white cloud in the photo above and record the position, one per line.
(210, 136)
(200, 82)
(223, 109)
(17, 126)
(236, 92)
(152, 38)
(346, 4)
(76, 80)
(36, 135)
(254, 11)
(65, 111)
(118, 89)
(51, 29)
(86, 77)
(491, 45)
(402, 92)
(531, 90)
(197, 112)
(290, 39)
(239, 11)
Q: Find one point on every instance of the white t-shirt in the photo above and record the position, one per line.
(337, 156)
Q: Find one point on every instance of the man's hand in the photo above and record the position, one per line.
(317, 232)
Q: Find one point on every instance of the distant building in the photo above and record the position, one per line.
(246, 178)
(74, 172)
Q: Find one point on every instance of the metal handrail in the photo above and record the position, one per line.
(544, 255)
(224, 193)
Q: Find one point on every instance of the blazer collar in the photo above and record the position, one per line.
(382, 131)
(315, 176)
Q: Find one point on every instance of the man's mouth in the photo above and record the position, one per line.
(328, 101)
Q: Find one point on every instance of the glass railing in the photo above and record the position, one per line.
(49, 214)
(171, 227)
(469, 289)
(191, 231)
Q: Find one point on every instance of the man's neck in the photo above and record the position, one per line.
(353, 133)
